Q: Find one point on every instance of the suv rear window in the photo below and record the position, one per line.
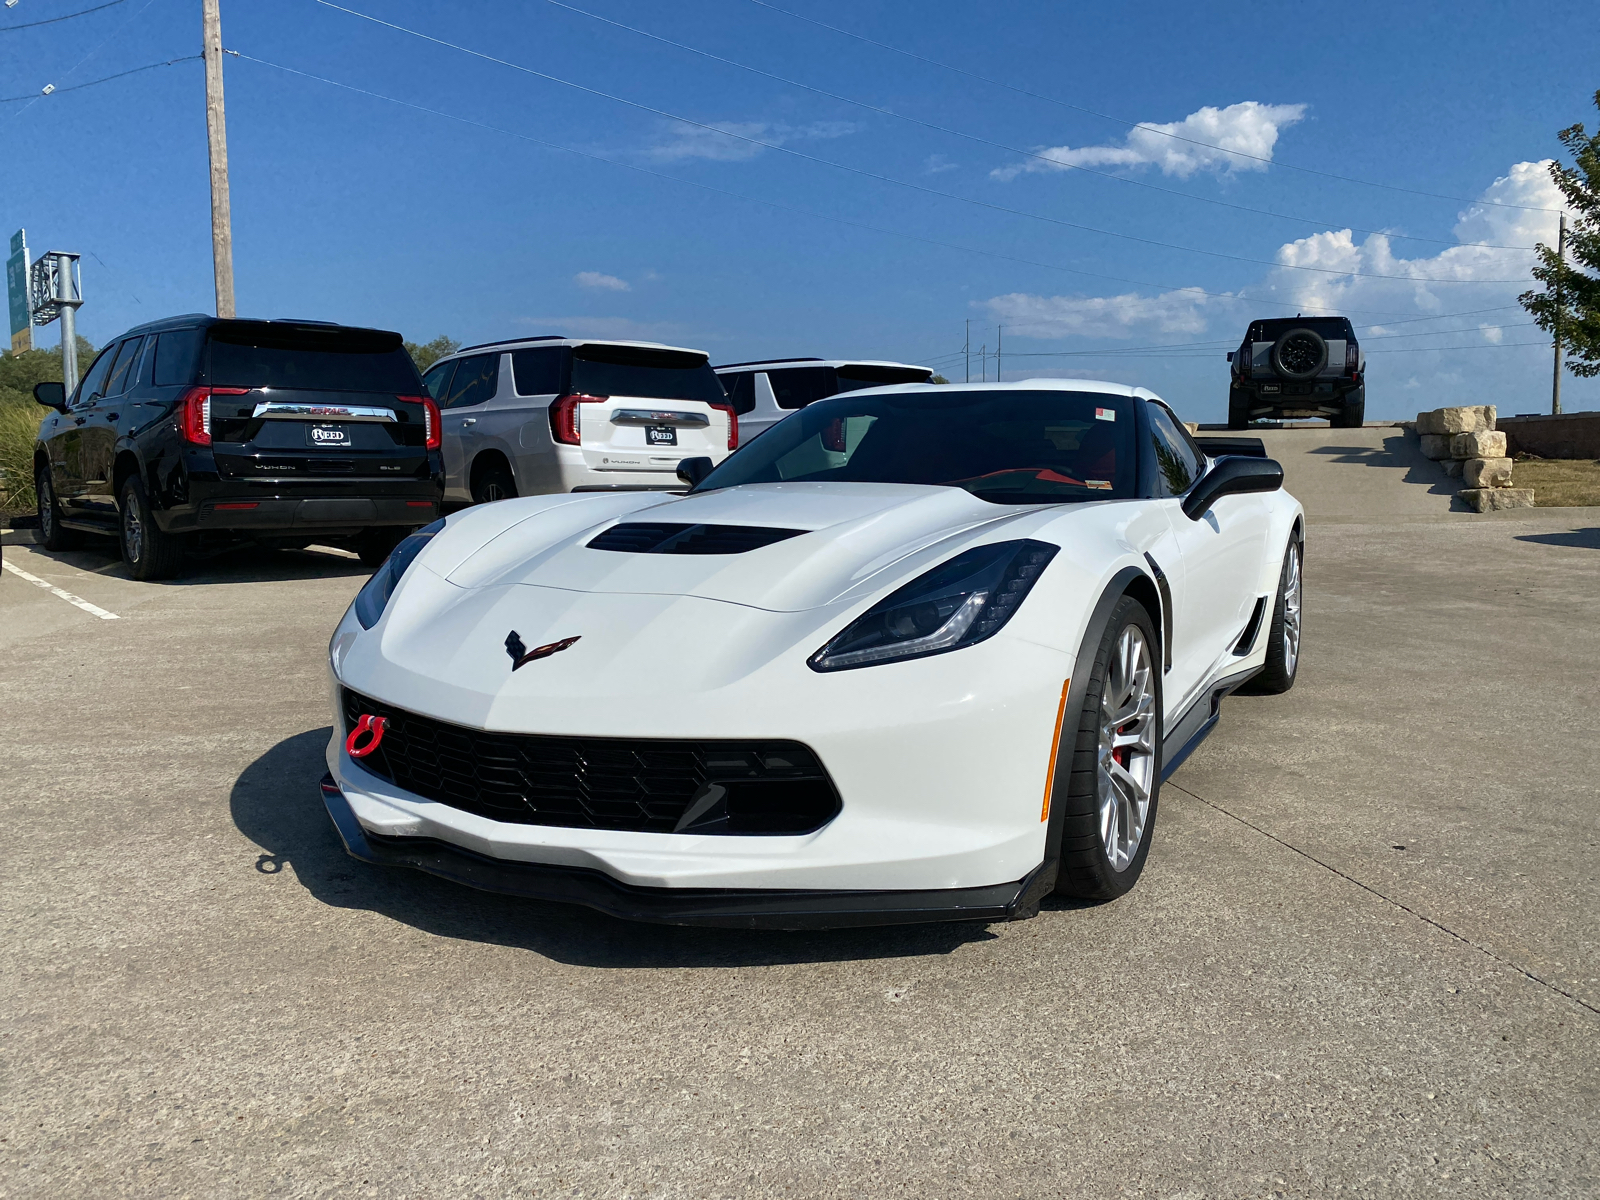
(261, 354)
(1326, 327)
(855, 376)
(640, 371)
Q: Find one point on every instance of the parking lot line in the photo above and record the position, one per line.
(65, 595)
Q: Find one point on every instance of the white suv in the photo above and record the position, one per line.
(763, 393)
(532, 416)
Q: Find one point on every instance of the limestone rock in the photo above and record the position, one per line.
(1484, 444)
(1487, 472)
(1495, 499)
(1435, 445)
(1452, 467)
(1473, 418)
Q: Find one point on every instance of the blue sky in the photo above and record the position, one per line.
(352, 208)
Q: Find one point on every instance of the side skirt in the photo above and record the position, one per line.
(1189, 730)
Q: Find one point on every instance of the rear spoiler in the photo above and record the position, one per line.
(1216, 447)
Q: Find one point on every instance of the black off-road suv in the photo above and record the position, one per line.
(1298, 367)
(198, 432)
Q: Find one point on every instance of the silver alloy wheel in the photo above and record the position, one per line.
(1125, 774)
(1291, 611)
(47, 505)
(132, 530)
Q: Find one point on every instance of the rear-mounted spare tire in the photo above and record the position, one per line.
(1299, 354)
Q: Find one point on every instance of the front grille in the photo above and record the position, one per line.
(641, 537)
(646, 785)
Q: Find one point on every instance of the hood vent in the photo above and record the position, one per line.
(640, 537)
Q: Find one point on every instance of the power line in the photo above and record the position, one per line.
(917, 187)
(1141, 124)
(972, 137)
(55, 91)
(98, 46)
(52, 20)
(926, 241)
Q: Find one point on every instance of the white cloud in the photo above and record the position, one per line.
(1247, 128)
(736, 141)
(1185, 311)
(937, 164)
(601, 282)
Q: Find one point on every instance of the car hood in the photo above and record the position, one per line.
(853, 534)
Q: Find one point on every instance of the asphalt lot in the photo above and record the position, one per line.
(1364, 961)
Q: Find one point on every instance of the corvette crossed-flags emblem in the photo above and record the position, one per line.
(521, 656)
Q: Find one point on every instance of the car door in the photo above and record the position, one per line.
(474, 382)
(1220, 560)
(99, 433)
(64, 441)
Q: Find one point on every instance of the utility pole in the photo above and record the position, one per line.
(983, 361)
(997, 353)
(217, 140)
(1561, 263)
(966, 349)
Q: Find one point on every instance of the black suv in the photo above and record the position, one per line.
(199, 431)
(1298, 367)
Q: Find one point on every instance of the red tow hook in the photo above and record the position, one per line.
(371, 727)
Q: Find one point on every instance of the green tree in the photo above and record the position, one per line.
(1577, 315)
(937, 379)
(20, 417)
(426, 354)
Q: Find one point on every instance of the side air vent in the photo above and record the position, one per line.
(642, 538)
(1247, 639)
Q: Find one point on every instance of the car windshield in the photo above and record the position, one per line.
(1004, 446)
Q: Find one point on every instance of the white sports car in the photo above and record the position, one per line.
(919, 653)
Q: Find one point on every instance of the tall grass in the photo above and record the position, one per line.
(19, 423)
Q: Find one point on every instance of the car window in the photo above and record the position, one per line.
(537, 372)
(741, 389)
(1177, 464)
(477, 378)
(176, 352)
(120, 377)
(864, 375)
(437, 381)
(94, 379)
(800, 386)
(1007, 447)
(329, 358)
(645, 372)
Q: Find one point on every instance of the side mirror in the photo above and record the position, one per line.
(51, 395)
(693, 470)
(1231, 476)
(1230, 355)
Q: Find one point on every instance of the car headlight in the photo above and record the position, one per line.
(959, 602)
(374, 597)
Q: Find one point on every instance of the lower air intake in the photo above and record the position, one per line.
(641, 784)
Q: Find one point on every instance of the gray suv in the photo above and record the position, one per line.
(1298, 367)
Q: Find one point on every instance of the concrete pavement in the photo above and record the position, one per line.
(1365, 959)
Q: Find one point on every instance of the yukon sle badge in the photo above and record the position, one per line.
(521, 656)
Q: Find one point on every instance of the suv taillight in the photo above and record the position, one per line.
(194, 412)
(733, 424)
(564, 416)
(1352, 358)
(432, 427)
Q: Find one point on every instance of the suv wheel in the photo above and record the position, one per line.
(150, 552)
(52, 534)
(1299, 355)
(1238, 408)
(493, 482)
(1352, 416)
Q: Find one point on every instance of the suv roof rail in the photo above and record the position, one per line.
(304, 321)
(761, 362)
(542, 337)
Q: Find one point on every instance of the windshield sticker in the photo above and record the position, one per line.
(1102, 484)
(1105, 414)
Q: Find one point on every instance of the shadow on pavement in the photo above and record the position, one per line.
(276, 804)
(237, 564)
(1584, 539)
(1398, 450)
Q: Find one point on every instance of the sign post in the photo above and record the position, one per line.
(17, 292)
(55, 290)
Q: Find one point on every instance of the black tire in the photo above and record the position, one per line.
(1238, 408)
(53, 535)
(375, 545)
(1352, 416)
(1086, 868)
(1299, 354)
(150, 552)
(1283, 651)
(492, 482)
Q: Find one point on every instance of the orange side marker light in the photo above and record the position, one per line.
(1055, 748)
